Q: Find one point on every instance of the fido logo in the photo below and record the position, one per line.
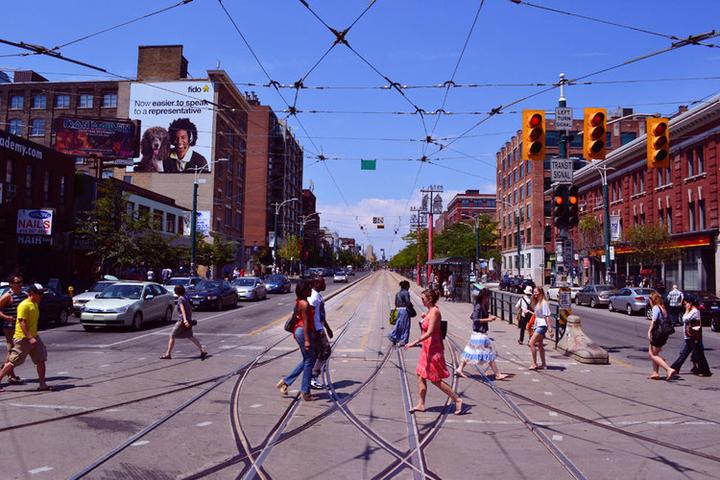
(198, 89)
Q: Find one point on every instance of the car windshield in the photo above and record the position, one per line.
(100, 286)
(178, 281)
(244, 282)
(273, 278)
(207, 285)
(122, 291)
(644, 291)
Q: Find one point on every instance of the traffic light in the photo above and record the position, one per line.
(658, 142)
(559, 206)
(572, 206)
(533, 135)
(594, 128)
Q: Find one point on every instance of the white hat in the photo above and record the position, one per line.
(528, 290)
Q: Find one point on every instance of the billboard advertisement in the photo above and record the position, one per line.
(34, 222)
(87, 137)
(177, 126)
(202, 226)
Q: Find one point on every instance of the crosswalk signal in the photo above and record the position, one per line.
(559, 206)
(594, 128)
(572, 205)
(533, 135)
(658, 142)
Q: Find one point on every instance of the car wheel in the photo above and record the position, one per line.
(63, 317)
(610, 307)
(88, 328)
(592, 303)
(715, 324)
(219, 305)
(628, 309)
(136, 321)
(168, 315)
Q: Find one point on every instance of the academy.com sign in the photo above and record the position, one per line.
(22, 149)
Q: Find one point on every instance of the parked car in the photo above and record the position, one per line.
(188, 282)
(79, 300)
(277, 284)
(215, 294)
(594, 295)
(631, 300)
(340, 277)
(251, 288)
(55, 307)
(553, 292)
(128, 304)
(709, 308)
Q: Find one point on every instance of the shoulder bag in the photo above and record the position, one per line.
(290, 323)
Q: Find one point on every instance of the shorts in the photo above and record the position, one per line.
(541, 330)
(8, 332)
(659, 339)
(179, 331)
(22, 348)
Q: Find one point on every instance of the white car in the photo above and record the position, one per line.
(81, 299)
(340, 277)
(552, 292)
(128, 304)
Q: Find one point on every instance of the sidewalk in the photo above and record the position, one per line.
(610, 419)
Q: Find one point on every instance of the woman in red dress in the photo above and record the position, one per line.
(431, 364)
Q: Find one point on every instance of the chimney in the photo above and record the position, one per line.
(682, 109)
(161, 62)
(22, 76)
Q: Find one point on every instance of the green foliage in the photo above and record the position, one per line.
(591, 233)
(347, 257)
(651, 244)
(290, 250)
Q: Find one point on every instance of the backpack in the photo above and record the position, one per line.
(664, 325)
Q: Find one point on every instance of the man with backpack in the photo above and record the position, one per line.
(524, 312)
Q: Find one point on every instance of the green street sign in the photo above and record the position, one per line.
(368, 164)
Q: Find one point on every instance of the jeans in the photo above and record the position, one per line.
(322, 349)
(306, 364)
(682, 356)
(697, 349)
(401, 333)
(674, 314)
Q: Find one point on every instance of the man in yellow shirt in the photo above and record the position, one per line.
(25, 340)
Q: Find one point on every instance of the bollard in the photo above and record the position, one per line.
(576, 344)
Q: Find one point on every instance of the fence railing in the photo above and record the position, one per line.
(502, 305)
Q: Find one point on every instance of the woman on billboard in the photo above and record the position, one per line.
(183, 136)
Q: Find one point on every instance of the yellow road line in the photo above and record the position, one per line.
(617, 361)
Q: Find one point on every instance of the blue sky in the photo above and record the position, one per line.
(412, 43)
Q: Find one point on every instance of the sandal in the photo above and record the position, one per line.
(459, 410)
(501, 376)
(282, 386)
(45, 388)
(415, 409)
(534, 367)
(460, 373)
(166, 357)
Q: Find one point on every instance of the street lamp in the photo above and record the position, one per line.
(193, 219)
(278, 206)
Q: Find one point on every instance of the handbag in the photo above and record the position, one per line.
(192, 322)
(411, 311)
(290, 323)
(392, 319)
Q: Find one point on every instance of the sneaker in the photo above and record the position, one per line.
(315, 385)
(16, 381)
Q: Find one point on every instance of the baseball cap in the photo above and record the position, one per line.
(36, 288)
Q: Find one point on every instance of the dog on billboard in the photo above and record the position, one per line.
(155, 150)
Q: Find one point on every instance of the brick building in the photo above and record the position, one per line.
(685, 198)
(274, 174)
(521, 187)
(464, 207)
(311, 230)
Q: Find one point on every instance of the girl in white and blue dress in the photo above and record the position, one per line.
(542, 325)
(480, 349)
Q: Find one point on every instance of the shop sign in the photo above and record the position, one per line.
(34, 240)
(34, 222)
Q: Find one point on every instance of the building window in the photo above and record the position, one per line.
(635, 184)
(522, 169)
(37, 127)
(228, 217)
(170, 223)
(62, 101)
(528, 261)
(130, 208)
(46, 187)
(158, 219)
(661, 217)
(16, 102)
(691, 216)
(528, 212)
(522, 190)
(699, 159)
(701, 214)
(552, 138)
(28, 177)
(39, 102)
(690, 172)
(109, 100)
(668, 217)
(85, 100)
(9, 171)
(528, 190)
(527, 167)
(62, 188)
(641, 181)
(627, 137)
(143, 212)
(15, 126)
(181, 225)
(608, 139)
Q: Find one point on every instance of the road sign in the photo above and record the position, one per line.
(563, 118)
(564, 299)
(561, 170)
(568, 249)
(378, 220)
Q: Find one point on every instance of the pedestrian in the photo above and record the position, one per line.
(26, 340)
(480, 348)
(451, 287)
(322, 332)
(658, 333)
(8, 314)
(235, 273)
(165, 274)
(241, 273)
(541, 308)
(150, 275)
(692, 328)
(675, 301)
(183, 325)
(302, 331)
(524, 312)
(431, 364)
(401, 333)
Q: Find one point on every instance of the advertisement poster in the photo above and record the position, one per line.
(86, 137)
(34, 222)
(615, 228)
(202, 226)
(177, 126)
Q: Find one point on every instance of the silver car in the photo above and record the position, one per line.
(251, 288)
(594, 295)
(631, 300)
(81, 299)
(128, 304)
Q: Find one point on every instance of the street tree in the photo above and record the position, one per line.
(651, 244)
(590, 234)
(290, 249)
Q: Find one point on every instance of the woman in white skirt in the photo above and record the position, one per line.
(480, 349)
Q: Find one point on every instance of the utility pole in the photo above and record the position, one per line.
(564, 140)
(417, 221)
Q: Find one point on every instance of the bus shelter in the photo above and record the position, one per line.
(460, 268)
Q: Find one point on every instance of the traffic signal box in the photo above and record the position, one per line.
(572, 207)
(533, 135)
(594, 129)
(658, 142)
(560, 206)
